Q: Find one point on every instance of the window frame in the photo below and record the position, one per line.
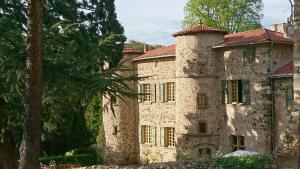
(146, 91)
(146, 134)
(202, 127)
(202, 101)
(249, 54)
(169, 137)
(238, 142)
(170, 92)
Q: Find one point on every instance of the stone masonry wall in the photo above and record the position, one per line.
(120, 124)
(156, 114)
(251, 121)
(196, 74)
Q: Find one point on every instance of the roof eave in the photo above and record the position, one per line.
(153, 57)
(287, 75)
(252, 43)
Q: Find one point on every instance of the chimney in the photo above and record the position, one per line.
(285, 28)
(146, 47)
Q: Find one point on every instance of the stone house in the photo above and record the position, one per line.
(210, 93)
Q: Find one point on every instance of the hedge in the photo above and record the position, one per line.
(82, 159)
(243, 162)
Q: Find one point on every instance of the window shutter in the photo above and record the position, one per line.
(153, 93)
(153, 135)
(246, 92)
(162, 137)
(289, 97)
(161, 93)
(224, 92)
(139, 93)
(140, 134)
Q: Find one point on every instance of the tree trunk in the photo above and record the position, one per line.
(31, 141)
(296, 60)
(8, 152)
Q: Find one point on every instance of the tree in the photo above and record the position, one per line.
(74, 47)
(230, 15)
(296, 56)
(31, 141)
(140, 45)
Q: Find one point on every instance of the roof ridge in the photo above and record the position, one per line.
(267, 33)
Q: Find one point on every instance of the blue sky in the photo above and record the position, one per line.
(153, 21)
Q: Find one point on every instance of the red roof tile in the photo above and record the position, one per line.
(129, 50)
(253, 36)
(197, 29)
(159, 52)
(285, 70)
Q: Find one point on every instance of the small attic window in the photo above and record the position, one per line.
(249, 54)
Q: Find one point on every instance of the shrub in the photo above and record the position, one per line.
(82, 159)
(243, 162)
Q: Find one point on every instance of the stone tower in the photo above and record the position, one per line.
(195, 78)
(119, 119)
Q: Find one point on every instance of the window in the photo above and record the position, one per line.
(170, 92)
(167, 92)
(236, 91)
(146, 134)
(249, 54)
(169, 136)
(202, 127)
(202, 101)
(147, 92)
(289, 98)
(238, 142)
(204, 152)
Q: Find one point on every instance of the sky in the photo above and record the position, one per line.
(153, 21)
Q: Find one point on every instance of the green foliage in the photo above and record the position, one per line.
(231, 15)
(140, 45)
(93, 117)
(82, 159)
(243, 162)
(78, 38)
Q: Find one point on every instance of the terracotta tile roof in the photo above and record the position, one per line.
(254, 36)
(197, 29)
(159, 52)
(287, 69)
(129, 50)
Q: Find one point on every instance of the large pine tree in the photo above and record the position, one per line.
(78, 37)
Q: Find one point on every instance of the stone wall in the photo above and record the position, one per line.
(196, 74)
(158, 114)
(251, 121)
(120, 124)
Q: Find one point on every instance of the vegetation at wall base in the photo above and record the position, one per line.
(81, 159)
(243, 162)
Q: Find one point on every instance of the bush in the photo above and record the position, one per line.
(243, 162)
(79, 151)
(82, 159)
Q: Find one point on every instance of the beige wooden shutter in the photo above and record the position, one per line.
(140, 134)
(153, 93)
(140, 93)
(162, 137)
(224, 91)
(161, 92)
(153, 135)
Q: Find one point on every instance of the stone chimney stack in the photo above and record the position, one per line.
(146, 48)
(285, 28)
